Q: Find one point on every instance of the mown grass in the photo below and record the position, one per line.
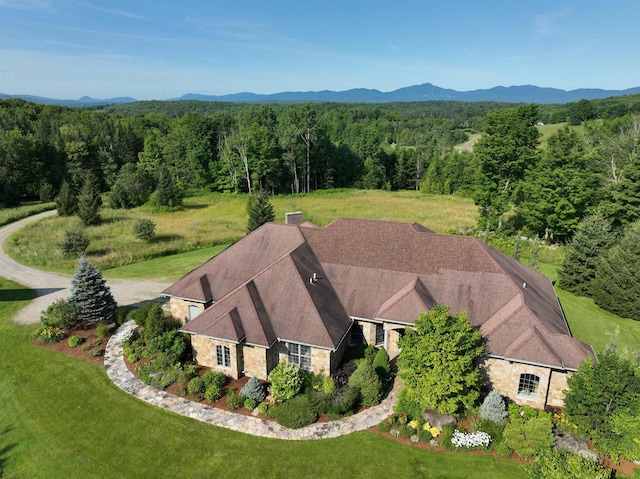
(62, 418)
(548, 130)
(592, 324)
(9, 215)
(217, 219)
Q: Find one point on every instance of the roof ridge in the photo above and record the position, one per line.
(399, 295)
(261, 313)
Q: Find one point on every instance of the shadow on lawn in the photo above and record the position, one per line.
(22, 294)
(4, 450)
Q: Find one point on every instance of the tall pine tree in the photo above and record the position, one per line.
(89, 201)
(91, 295)
(66, 201)
(260, 211)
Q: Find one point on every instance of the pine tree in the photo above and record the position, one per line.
(616, 287)
(168, 193)
(260, 211)
(91, 295)
(89, 202)
(579, 266)
(66, 201)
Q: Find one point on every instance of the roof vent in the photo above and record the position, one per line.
(524, 285)
(313, 279)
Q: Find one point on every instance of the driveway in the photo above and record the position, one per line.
(52, 286)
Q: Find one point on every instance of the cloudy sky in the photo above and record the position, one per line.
(154, 49)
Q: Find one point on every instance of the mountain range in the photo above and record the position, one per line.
(423, 92)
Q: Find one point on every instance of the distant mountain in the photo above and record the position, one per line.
(424, 92)
(84, 101)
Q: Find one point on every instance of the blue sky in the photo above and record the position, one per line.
(154, 49)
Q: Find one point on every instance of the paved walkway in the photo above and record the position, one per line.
(53, 286)
(122, 377)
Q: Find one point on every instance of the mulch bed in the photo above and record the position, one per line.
(83, 351)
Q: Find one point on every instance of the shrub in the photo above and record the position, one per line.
(144, 229)
(561, 464)
(406, 431)
(189, 371)
(160, 372)
(263, 408)
(447, 434)
(60, 314)
(74, 244)
(75, 341)
(49, 334)
(342, 375)
(381, 364)
(196, 385)
(496, 431)
(173, 343)
(370, 353)
(255, 390)
(295, 413)
(408, 406)
(102, 330)
(139, 315)
(250, 404)
(212, 393)
(528, 437)
(234, 399)
(384, 426)
(516, 411)
(503, 450)
(425, 435)
(214, 378)
(493, 408)
(96, 352)
(344, 400)
(286, 381)
(333, 416)
(366, 379)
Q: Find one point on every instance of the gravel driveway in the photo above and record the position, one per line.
(52, 286)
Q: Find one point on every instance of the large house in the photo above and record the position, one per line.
(301, 293)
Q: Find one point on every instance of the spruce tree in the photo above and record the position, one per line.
(616, 287)
(66, 201)
(493, 408)
(168, 193)
(91, 295)
(260, 211)
(579, 265)
(89, 201)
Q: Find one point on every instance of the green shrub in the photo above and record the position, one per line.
(407, 406)
(49, 334)
(102, 330)
(381, 364)
(75, 341)
(96, 352)
(447, 434)
(424, 435)
(234, 399)
(196, 385)
(503, 450)
(155, 323)
(60, 314)
(370, 353)
(286, 381)
(144, 229)
(263, 408)
(250, 404)
(212, 393)
(189, 371)
(384, 426)
(160, 372)
(172, 342)
(496, 431)
(255, 390)
(75, 243)
(139, 315)
(366, 379)
(563, 464)
(333, 416)
(344, 400)
(295, 413)
(528, 437)
(214, 378)
(516, 411)
(406, 431)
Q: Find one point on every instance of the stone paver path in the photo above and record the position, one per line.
(125, 380)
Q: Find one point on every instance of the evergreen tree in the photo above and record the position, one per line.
(66, 201)
(533, 257)
(617, 282)
(168, 193)
(579, 265)
(89, 202)
(493, 408)
(260, 211)
(91, 295)
(438, 361)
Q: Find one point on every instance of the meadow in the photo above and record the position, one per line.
(212, 219)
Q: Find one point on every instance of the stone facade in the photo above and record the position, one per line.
(204, 352)
(504, 376)
(257, 361)
(180, 309)
(320, 358)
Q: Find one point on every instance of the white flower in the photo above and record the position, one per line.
(474, 439)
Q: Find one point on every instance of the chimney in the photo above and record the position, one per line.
(293, 218)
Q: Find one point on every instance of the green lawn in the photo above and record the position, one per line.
(9, 215)
(62, 418)
(548, 130)
(592, 324)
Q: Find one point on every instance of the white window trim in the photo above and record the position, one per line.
(299, 355)
(225, 353)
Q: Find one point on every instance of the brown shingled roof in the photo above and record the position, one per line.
(377, 270)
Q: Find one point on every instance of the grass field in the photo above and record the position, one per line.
(218, 219)
(62, 418)
(548, 130)
(9, 215)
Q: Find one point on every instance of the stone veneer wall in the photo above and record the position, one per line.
(204, 352)
(505, 377)
(320, 358)
(180, 309)
(256, 363)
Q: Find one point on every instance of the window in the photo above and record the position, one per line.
(357, 336)
(223, 356)
(379, 334)
(300, 355)
(193, 312)
(528, 385)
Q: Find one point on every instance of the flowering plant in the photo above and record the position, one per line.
(473, 439)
